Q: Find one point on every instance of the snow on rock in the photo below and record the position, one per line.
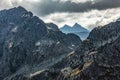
(14, 29)
(37, 44)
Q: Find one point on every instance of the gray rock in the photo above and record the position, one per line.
(28, 46)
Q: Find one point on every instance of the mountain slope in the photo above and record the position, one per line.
(90, 61)
(105, 34)
(65, 28)
(97, 62)
(28, 46)
(105, 63)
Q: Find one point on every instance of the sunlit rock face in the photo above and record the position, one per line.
(27, 45)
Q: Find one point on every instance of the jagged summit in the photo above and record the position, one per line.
(20, 8)
(13, 13)
(17, 15)
(76, 24)
(76, 29)
(66, 26)
(79, 28)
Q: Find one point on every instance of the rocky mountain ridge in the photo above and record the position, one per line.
(27, 45)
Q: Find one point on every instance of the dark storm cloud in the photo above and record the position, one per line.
(49, 6)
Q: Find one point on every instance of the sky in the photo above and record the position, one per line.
(88, 13)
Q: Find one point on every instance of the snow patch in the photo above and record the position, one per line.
(14, 29)
(26, 15)
(58, 42)
(36, 73)
(73, 45)
(37, 44)
(10, 45)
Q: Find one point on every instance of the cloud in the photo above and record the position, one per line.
(45, 7)
(88, 20)
(5, 4)
(88, 13)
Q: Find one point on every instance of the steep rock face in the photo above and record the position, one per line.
(72, 41)
(102, 65)
(28, 46)
(17, 38)
(98, 37)
(16, 24)
(106, 34)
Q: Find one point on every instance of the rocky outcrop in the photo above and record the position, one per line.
(52, 26)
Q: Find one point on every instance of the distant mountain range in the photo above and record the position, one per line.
(76, 29)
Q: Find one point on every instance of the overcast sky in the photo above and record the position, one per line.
(88, 13)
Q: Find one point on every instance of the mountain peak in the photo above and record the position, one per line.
(19, 8)
(77, 25)
(66, 26)
(19, 14)
(76, 29)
